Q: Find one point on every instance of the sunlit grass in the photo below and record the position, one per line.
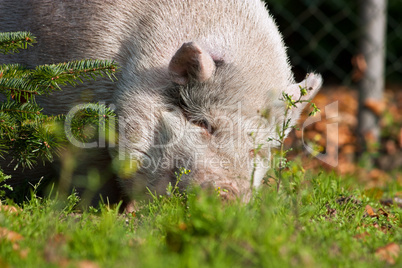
(315, 220)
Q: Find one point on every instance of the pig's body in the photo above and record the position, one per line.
(191, 106)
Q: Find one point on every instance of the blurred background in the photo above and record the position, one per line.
(325, 35)
(356, 46)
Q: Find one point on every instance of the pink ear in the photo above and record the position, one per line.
(191, 61)
(312, 84)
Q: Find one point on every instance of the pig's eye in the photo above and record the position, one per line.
(200, 122)
(206, 125)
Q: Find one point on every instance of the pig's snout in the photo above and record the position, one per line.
(227, 189)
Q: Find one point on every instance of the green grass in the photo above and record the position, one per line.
(312, 222)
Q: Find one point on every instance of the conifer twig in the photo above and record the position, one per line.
(12, 42)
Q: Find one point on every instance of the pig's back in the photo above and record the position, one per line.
(142, 36)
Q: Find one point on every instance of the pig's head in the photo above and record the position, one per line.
(209, 118)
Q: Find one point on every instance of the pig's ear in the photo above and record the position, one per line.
(191, 61)
(311, 84)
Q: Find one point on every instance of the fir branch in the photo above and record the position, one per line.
(68, 73)
(90, 119)
(18, 88)
(27, 135)
(22, 84)
(21, 110)
(13, 70)
(12, 42)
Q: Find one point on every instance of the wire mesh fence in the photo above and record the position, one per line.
(325, 36)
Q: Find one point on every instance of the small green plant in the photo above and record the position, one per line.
(281, 155)
(3, 185)
(72, 201)
(35, 199)
(174, 190)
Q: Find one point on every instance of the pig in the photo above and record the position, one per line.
(199, 85)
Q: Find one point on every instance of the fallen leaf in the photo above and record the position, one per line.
(331, 212)
(390, 146)
(24, 253)
(388, 253)
(53, 252)
(383, 212)
(10, 235)
(376, 106)
(87, 264)
(359, 67)
(10, 209)
(349, 149)
(182, 226)
(400, 138)
(378, 175)
(362, 235)
(370, 211)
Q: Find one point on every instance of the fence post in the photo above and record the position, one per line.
(371, 88)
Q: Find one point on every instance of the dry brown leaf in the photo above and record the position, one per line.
(359, 67)
(378, 175)
(400, 138)
(182, 226)
(10, 209)
(362, 235)
(346, 167)
(10, 235)
(388, 253)
(370, 211)
(376, 106)
(271, 181)
(24, 253)
(349, 149)
(320, 126)
(87, 264)
(53, 252)
(383, 212)
(346, 137)
(370, 137)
